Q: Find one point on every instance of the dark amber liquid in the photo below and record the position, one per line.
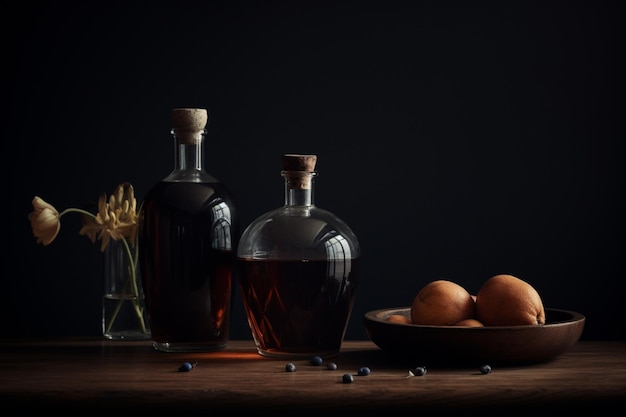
(186, 245)
(298, 307)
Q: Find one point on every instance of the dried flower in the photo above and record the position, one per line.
(45, 221)
(116, 219)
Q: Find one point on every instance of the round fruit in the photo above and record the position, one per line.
(505, 300)
(398, 318)
(485, 369)
(442, 303)
(469, 323)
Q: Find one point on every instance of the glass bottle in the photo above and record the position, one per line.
(298, 267)
(188, 232)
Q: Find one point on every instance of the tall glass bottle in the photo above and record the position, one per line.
(298, 267)
(188, 232)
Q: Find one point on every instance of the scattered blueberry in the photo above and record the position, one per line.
(364, 371)
(290, 367)
(187, 366)
(331, 365)
(419, 371)
(347, 379)
(316, 361)
(485, 369)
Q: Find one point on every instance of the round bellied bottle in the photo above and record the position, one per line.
(298, 268)
(188, 233)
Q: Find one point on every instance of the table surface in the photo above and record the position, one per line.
(78, 376)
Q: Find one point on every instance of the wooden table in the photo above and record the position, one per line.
(89, 377)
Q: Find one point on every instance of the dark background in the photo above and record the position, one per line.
(459, 140)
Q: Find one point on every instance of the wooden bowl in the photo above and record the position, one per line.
(473, 346)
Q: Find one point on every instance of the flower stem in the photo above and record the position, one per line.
(76, 210)
(132, 281)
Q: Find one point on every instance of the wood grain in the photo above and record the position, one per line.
(99, 377)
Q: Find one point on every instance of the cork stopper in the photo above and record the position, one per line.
(299, 170)
(298, 162)
(188, 124)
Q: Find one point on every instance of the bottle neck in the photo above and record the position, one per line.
(188, 156)
(299, 187)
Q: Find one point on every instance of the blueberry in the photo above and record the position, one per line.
(347, 379)
(364, 371)
(290, 367)
(331, 365)
(485, 369)
(187, 366)
(316, 361)
(419, 371)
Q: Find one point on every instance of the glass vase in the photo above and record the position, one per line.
(124, 315)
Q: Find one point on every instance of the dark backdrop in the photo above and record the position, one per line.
(459, 140)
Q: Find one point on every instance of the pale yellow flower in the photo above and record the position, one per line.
(45, 221)
(116, 219)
